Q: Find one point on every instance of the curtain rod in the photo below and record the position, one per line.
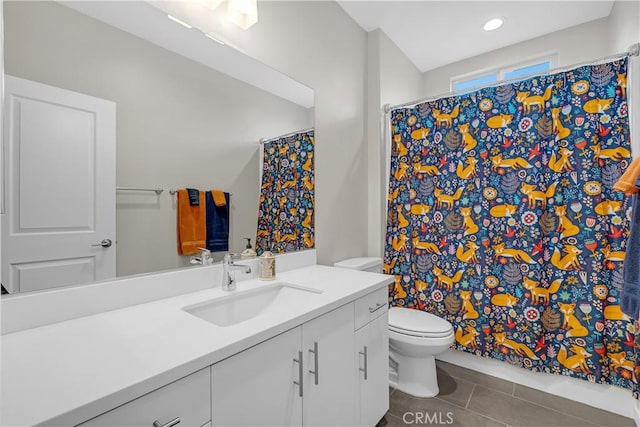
(634, 50)
(263, 140)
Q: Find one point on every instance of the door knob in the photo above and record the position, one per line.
(105, 243)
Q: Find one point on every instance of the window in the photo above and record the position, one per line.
(469, 81)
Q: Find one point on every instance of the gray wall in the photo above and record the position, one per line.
(318, 44)
(179, 123)
(392, 79)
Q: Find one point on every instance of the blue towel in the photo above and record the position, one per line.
(630, 299)
(194, 196)
(217, 224)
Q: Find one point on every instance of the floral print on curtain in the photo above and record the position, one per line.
(285, 214)
(502, 220)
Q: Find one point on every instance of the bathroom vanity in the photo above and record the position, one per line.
(310, 348)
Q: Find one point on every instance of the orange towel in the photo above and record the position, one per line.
(218, 197)
(627, 182)
(192, 230)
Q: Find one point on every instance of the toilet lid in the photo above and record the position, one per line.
(417, 322)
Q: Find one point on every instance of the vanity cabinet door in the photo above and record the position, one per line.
(256, 387)
(329, 388)
(187, 400)
(372, 388)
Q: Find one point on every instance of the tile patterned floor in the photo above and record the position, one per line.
(469, 398)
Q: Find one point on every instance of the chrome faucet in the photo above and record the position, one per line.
(228, 276)
(205, 257)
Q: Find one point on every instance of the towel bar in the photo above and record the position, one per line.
(158, 191)
(172, 192)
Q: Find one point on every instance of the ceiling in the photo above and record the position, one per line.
(436, 33)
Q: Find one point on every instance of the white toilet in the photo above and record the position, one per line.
(415, 338)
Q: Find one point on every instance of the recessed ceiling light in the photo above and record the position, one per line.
(174, 19)
(493, 24)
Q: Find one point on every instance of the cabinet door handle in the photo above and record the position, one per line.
(300, 374)
(364, 353)
(315, 361)
(376, 308)
(171, 423)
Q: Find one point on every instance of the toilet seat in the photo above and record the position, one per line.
(417, 323)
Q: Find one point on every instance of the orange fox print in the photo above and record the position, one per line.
(401, 171)
(445, 119)
(400, 147)
(561, 163)
(608, 207)
(528, 101)
(468, 141)
(399, 291)
(597, 105)
(446, 200)
(504, 300)
(502, 211)
(498, 162)
(519, 348)
(425, 169)
(499, 121)
(470, 255)
(565, 226)
(419, 134)
(420, 209)
(534, 195)
(610, 255)
(469, 226)
(539, 293)
(622, 83)
(427, 246)
(558, 128)
(614, 312)
(568, 262)
(468, 339)
(617, 153)
(469, 171)
(446, 281)
(619, 361)
(577, 362)
(570, 322)
(516, 254)
(399, 243)
(469, 312)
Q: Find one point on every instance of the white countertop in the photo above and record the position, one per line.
(68, 372)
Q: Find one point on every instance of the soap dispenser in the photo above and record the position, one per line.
(248, 252)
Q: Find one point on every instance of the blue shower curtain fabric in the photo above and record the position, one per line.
(502, 219)
(287, 194)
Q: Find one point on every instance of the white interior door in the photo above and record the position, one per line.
(59, 187)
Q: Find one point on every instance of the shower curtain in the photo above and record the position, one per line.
(502, 220)
(285, 213)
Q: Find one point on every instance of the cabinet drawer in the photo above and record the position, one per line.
(188, 398)
(371, 306)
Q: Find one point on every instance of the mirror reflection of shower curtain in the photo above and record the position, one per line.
(287, 194)
(503, 220)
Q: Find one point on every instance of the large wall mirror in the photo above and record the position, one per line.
(186, 112)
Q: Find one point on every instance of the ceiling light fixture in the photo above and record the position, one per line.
(493, 24)
(211, 4)
(243, 13)
(184, 24)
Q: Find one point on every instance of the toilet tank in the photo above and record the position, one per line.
(371, 264)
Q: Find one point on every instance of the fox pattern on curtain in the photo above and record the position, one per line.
(502, 220)
(285, 214)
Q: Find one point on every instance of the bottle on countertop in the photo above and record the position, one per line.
(267, 265)
(248, 252)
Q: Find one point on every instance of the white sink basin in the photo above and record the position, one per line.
(241, 306)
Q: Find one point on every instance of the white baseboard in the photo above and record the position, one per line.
(606, 397)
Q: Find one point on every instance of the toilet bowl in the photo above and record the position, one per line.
(415, 338)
